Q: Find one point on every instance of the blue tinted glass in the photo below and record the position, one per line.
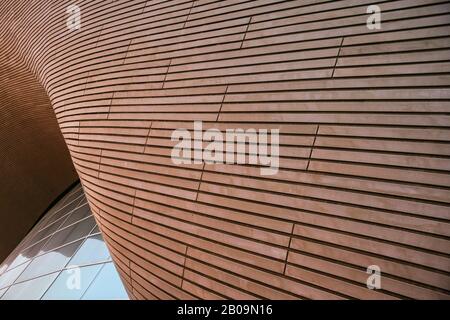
(7, 263)
(9, 277)
(93, 250)
(28, 254)
(72, 284)
(29, 290)
(49, 262)
(106, 286)
(38, 267)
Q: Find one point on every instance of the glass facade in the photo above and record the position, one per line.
(63, 257)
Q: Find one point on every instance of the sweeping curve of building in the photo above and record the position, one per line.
(363, 120)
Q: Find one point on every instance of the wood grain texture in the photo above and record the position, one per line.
(364, 131)
(35, 164)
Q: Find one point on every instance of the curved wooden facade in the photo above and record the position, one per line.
(364, 132)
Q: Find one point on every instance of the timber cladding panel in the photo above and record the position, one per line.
(364, 132)
(35, 165)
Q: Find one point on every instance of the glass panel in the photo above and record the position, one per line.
(9, 277)
(70, 196)
(61, 208)
(39, 262)
(95, 230)
(56, 217)
(14, 254)
(29, 290)
(71, 284)
(80, 213)
(69, 234)
(73, 195)
(48, 231)
(28, 254)
(2, 291)
(93, 250)
(49, 262)
(59, 216)
(3, 268)
(106, 286)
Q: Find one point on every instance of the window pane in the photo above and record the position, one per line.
(59, 217)
(66, 286)
(69, 234)
(3, 268)
(73, 195)
(93, 250)
(95, 230)
(28, 254)
(77, 215)
(9, 277)
(106, 286)
(50, 262)
(12, 256)
(54, 213)
(2, 291)
(47, 231)
(29, 290)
